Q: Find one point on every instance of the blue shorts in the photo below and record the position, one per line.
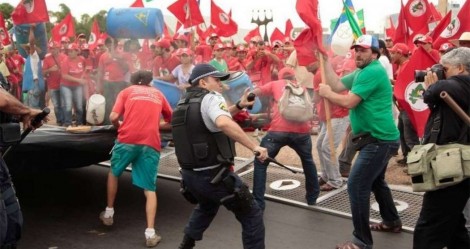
(144, 160)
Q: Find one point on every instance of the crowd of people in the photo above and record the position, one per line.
(352, 102)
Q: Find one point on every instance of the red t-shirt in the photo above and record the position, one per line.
(73, 67)
(19, 61)
(141, 107)
(205, 51)
(164, 66)
(275, 89)
(53, 77)
(112, 69)
(335, 110)
(260, 74)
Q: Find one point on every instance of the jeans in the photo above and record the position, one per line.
(72, 97)
(408, 136)
(368, 174)
(209, 197)
(36, 97)
(330, 169)
(302, 145)
(441, 222)
(57, 103)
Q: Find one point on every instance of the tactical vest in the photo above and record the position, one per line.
(195, 145)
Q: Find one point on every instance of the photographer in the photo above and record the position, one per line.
(441, 222)
(10, 229)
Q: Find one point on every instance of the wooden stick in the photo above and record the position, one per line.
(329, 128)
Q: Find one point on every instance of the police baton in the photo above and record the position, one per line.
(35, 122)
(272, 160)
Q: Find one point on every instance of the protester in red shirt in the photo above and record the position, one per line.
(238, 63)
(138, 143)
(260, 64)
(165, 62)
(426, 42)
(71, 86)
(113, 69)
(51, 67)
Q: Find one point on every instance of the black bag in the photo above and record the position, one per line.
(362, 139)
(10, 134)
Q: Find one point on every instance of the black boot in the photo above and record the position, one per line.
(187, 243)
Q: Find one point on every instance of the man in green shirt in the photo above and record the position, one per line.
(370, 105)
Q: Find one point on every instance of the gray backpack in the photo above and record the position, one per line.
(295, 104)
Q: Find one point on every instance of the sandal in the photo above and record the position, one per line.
(347, 245)
(326, 187)
(381, 227)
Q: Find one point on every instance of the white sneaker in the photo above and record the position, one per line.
(107, 221)
(153, 241)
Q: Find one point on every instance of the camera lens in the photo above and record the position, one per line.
(419, 75)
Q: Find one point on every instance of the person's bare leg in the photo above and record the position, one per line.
(112, 188)
(150, 207)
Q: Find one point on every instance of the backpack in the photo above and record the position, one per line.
(295, 104)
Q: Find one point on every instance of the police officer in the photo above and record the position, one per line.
(11, 218)
(204, 135)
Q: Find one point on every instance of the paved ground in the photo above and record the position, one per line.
(61, 210)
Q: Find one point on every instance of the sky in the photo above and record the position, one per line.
(375, 11)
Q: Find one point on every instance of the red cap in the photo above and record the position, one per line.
(85, 46)
(81, 35)
(182, 51)
(54, 44)
(401, 48)
(100, 42)
(241, 48)
(64, 39)
(73, 46)
(164, 43)
(228, 45)
(213, 35)
(423, 39)
(285, 72)
(218, 46)
(287, 40)
(445, 46)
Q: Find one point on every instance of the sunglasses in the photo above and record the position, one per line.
(260, 43)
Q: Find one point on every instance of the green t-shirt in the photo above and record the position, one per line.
(220, 66)
(374, 113)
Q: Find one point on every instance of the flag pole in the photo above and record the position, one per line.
(329, 127)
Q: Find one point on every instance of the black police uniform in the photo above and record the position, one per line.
(205, 158)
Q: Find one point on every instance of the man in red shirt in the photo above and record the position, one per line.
(112, 71)
(138, 143)
(260, 64)
(165, 62)
(52, 71)
(285, 133)
(426, 42)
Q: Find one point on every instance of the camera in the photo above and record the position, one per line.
(436, 68)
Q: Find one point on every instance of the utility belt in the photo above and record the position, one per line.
(435, 167)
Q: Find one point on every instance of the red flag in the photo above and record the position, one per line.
(401, 32)
(138, 4)
(276, 37)
(440, 28)
(390, 32)
(409, 93)
(435, 15)
(187, 12)
(226, 26)
(30, 11)
(4, 36)
(252, 33)
(417, 14)
(310, 39)
(456, 27)
(94, 34)
(66, 28)
(289, 31)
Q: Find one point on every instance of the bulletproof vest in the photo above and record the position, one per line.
(195, 145)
